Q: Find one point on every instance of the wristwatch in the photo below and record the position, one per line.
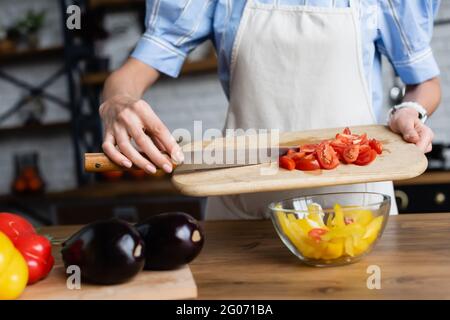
(423, 114)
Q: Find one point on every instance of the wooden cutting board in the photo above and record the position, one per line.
(400, 160)
(147, 285)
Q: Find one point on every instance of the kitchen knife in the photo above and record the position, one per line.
(195, 160)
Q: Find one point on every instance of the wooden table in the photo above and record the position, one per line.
(246, 260)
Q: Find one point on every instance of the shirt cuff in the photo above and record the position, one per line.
(418, 69)
(160, 55)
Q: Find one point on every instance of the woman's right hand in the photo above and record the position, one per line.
(126, 119)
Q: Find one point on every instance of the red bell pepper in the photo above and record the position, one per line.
(37, 252)
(14, 226)
(35, 249)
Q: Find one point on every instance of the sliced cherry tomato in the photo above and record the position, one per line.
(290, 152)
(366, 157)
(287, 163)
(364, 148)
(376, 145)
(347, 131)
(327, 157)
(348, 220)
(364, 139)
(308, 148)
(350, 153)
(307, 163)
(339, 147)
(297, 155)
(339, 144)
(317, 233)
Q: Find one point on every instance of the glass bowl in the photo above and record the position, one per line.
(331, 229)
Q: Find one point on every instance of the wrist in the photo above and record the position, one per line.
(413, 109)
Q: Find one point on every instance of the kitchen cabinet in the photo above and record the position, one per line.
(427, 193)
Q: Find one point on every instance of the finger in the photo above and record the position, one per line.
(147, 146)
(426, 137)
(158, 130)
(124, 143)
(159, 144)
(429, 148)
(112, 152)
(408, 130)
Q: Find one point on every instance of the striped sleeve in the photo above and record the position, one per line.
(406, 28)
(173, 29)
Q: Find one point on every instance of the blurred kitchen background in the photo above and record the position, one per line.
(50, 81)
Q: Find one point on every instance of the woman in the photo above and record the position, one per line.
(285, 64)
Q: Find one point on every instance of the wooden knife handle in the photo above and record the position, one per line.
(99, 162)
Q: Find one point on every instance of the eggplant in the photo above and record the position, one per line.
(107, 252)
(171, 240)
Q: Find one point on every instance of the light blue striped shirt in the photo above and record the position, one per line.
(399, 29)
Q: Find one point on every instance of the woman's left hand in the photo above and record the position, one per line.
(407, 123)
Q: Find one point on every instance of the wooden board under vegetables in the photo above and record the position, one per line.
(399, 161)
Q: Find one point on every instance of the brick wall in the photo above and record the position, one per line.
(178, 102)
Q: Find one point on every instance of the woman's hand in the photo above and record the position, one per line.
(407, 123)
(126, 119)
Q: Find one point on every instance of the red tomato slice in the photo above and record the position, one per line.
(348, 220)
(364, 148)
(296, 155)
(350, 154)
(287, 163)
(308, 148)
(364, 139)
(376, 145)
(339, 147)
(307, 163)
(290, 152)
(366, 157)
(317, 233)
(339, 144)
(347, 131)
(327, 157)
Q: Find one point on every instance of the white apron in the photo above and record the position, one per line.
(295, 68)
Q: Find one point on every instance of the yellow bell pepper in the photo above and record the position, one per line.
(338, 220)
(344, 232)
(373, 228)
(361, 216)
(315, 214)
(360, 246)
(349, 232)
(334, 250)
(13, 270)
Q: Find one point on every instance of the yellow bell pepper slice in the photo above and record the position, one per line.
(334, 250)
(363, 217)
(360, 246)
(373, 228)
(344, 232)
(13, 270)
(349, 246)
(315, 214)
(338, 220)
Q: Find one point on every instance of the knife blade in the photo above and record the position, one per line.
(198, 160)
